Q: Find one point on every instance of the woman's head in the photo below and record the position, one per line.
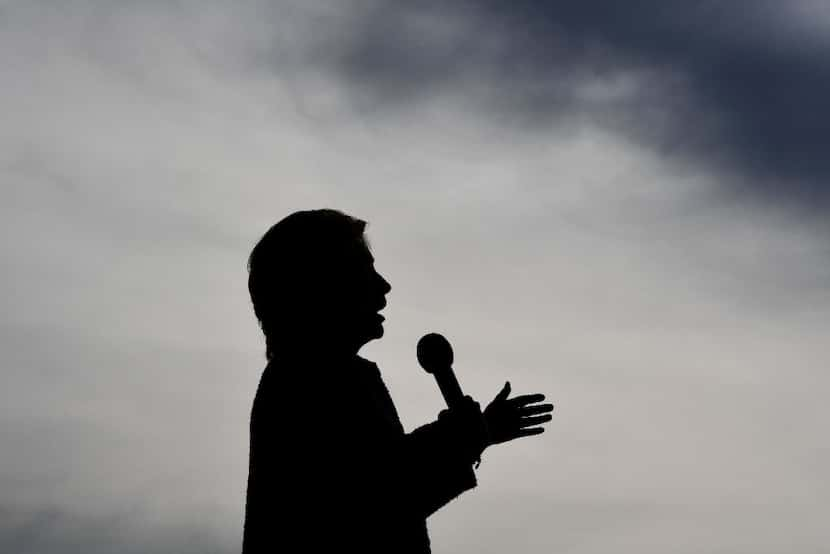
(312, 282)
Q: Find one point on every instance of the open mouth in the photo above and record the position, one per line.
(377, 311)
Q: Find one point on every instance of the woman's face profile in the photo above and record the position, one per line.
(358, 294)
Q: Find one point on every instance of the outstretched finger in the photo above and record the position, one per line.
(529, 432)
(503, 393)
(526, 399)
(536, 420)
(536, 409)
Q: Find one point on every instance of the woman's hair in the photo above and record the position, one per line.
(292, 263)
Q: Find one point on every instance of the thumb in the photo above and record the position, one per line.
(503, 393)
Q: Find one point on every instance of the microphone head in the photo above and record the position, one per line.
(434, 352)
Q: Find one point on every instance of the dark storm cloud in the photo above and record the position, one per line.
(739, 86)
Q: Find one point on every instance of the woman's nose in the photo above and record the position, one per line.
(384, 284)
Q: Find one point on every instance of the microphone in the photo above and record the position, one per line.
(436, 357)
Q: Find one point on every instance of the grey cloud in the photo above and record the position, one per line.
(739, 87)
(56, 531)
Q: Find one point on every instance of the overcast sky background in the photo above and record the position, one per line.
(620, 204)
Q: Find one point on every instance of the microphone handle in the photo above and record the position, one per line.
(450, 389)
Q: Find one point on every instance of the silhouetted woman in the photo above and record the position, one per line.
(331, 468)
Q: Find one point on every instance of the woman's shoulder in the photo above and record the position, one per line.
(288, 382)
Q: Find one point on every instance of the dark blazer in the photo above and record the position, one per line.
(331, 469)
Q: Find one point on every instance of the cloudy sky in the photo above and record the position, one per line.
(620, 204)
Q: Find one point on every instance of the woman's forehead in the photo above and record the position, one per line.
(359, 250)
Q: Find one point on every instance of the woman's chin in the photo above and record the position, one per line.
(376, 329)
